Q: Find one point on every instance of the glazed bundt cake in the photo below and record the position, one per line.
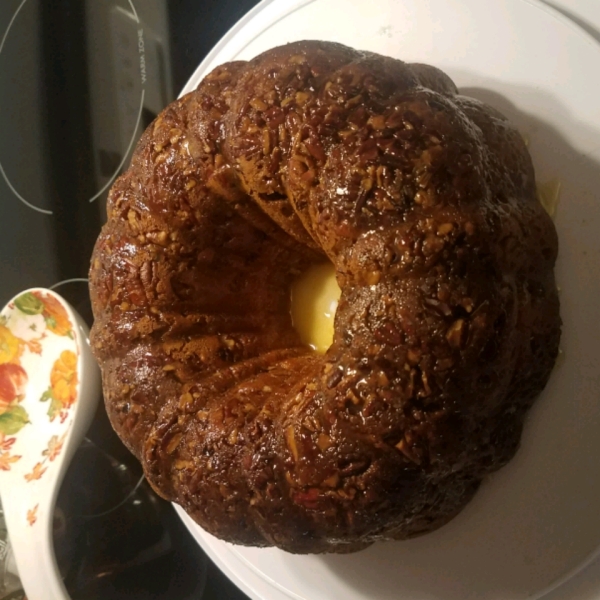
(446, 331)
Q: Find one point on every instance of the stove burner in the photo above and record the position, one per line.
(4, 176)
(133, 138)
(73, 280)
(141, 51)
(135, 130)
(134, 11)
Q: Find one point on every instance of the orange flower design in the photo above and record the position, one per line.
(34, 346)
(64, 379)
(13, 380)
(32, 515)
(54, 447)
(37, 472)
(11, 346)
(55, 314)
(6, 443)
(6, 459)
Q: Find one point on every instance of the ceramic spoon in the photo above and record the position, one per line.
(49, 388)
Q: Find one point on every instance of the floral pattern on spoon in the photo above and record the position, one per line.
(49, 390)
(38, 347)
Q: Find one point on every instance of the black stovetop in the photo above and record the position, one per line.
(79, 81)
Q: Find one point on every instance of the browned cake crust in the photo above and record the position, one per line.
(446, 331)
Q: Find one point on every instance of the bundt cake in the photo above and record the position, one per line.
(446, 331)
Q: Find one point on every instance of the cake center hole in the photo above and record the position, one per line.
(315, 296)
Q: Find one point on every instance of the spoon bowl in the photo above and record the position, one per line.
(49, 389)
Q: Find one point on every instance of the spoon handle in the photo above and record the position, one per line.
(50, 396)
(34, 546)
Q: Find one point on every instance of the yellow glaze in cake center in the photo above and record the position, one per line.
(315, 296)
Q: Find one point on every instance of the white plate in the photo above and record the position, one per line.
(536, 522)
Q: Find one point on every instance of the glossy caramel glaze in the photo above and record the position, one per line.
(447, 328)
